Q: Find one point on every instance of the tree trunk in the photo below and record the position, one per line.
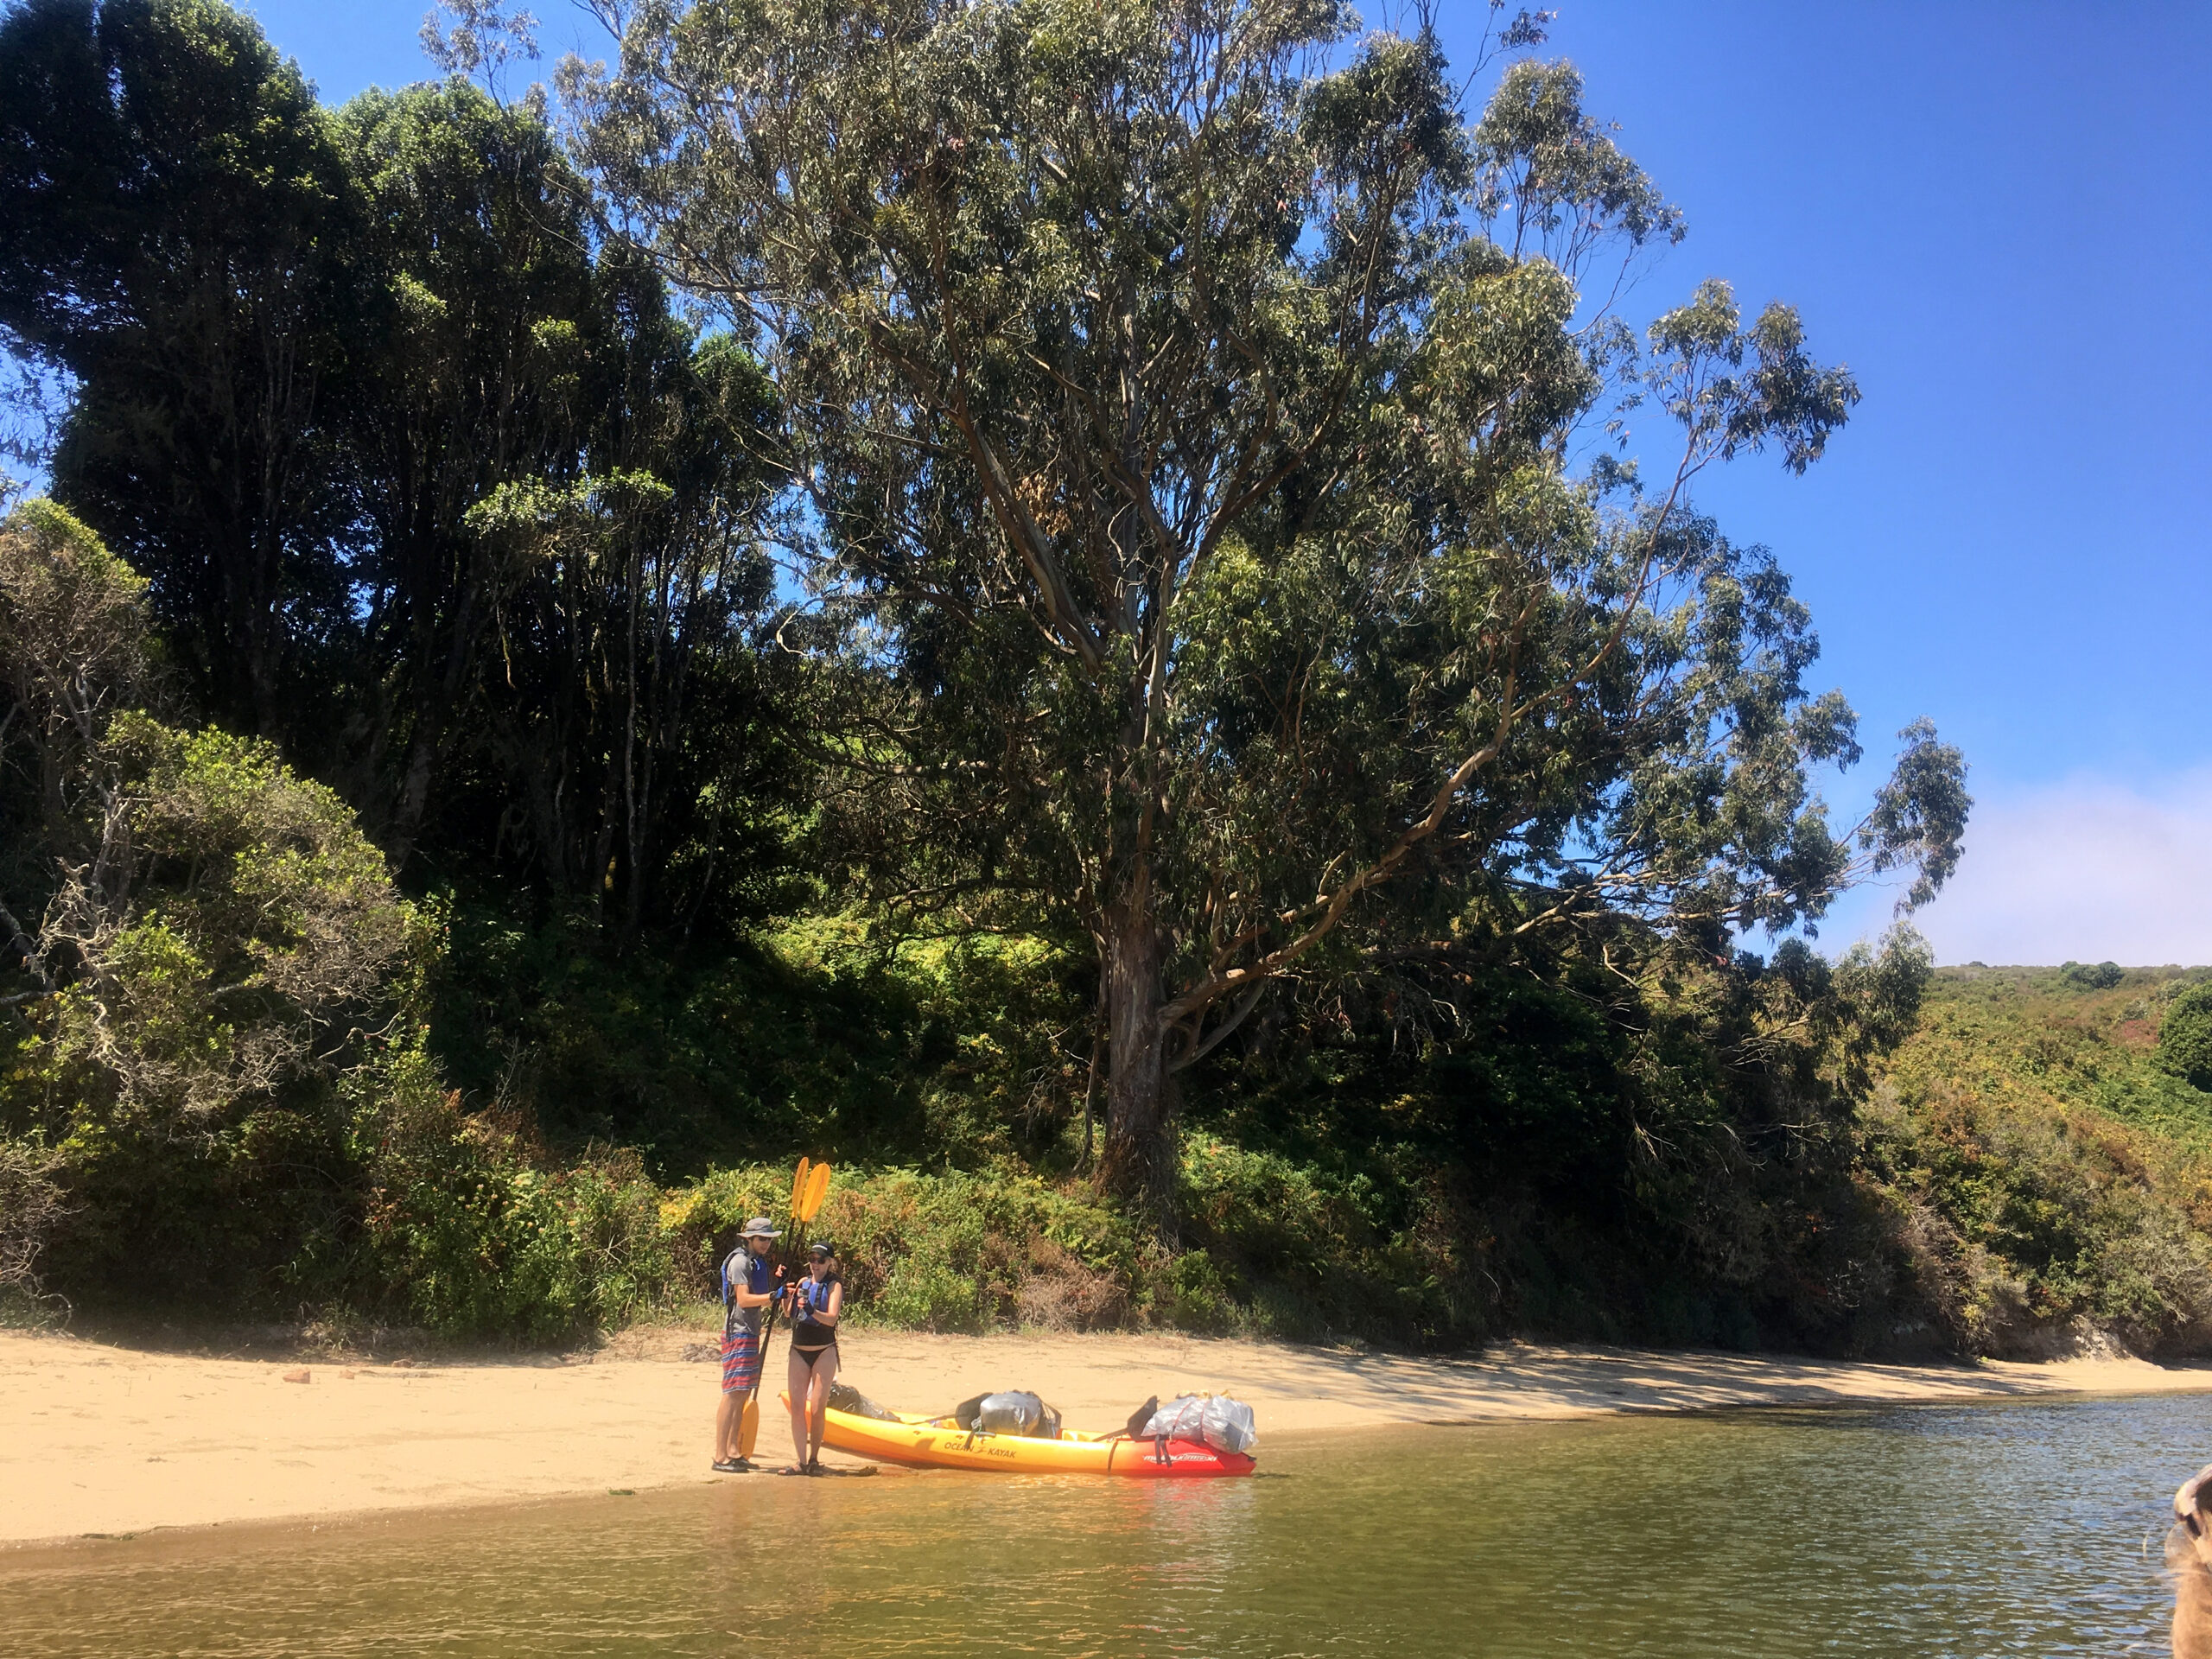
(1138, 1161)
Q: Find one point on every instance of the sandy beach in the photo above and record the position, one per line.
(103, 1440)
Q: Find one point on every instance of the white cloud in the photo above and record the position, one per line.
(2087, 869)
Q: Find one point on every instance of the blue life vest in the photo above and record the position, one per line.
(812, 1298)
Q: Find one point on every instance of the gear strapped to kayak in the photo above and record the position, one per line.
(1213, 1420)
(844, 1397)
(1015, 1411)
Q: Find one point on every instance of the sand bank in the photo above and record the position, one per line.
(101, 1440)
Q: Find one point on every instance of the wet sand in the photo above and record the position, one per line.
(100, 1440)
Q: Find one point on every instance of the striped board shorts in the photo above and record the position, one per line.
(741, 1362)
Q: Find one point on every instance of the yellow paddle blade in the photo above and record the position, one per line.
(799, 1186)
(818, 1186)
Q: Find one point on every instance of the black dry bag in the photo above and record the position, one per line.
(844, 1397)
(1016, 1411)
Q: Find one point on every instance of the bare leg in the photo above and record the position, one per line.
(726, 1417)
(817, 1401)
(796, 1379)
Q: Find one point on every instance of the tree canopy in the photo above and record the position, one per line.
(1191, 407)
(431, 487)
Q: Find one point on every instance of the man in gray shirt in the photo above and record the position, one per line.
(749, 1284)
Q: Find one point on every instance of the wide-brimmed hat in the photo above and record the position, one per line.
(761, 1227)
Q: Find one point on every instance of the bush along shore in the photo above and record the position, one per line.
(2026, 1168)
(1250, 829)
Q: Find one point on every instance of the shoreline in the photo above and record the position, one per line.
(102, 1442)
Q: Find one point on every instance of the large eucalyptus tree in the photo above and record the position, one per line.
(1223, 443)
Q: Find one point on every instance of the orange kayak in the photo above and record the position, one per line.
(940, 1443)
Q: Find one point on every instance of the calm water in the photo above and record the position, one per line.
(2027, 1529)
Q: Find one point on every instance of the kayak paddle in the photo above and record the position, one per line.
(809, 1185)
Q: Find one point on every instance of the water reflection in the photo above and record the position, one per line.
(2027, 1529)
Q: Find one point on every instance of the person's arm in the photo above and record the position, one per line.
(745, 1297)
(829, 1315)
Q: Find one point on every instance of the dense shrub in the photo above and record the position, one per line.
(805, 1034)
(211, 931)
(2050, 1177)
(474, 1230)
(29, 1200)
(1270, 1247)
(2029, 1221)
(2185, 1036)
(1289, 1249)
(2101, 976)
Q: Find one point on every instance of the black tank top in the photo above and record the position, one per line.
(806, 1333)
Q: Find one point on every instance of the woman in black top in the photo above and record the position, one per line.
(817, 1303)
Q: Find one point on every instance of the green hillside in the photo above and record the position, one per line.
(2047, 1164)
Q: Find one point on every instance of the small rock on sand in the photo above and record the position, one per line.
(297, 1377)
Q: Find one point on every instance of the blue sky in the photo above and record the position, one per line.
(1998, 216)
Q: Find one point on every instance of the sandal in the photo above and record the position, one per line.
(732, 1466)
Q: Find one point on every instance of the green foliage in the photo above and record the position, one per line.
(30, 1199)
(1683, 1172)
(2185, 1036)
(1219, 703)
(473, 1231)
(192, 987)
(1289, 1250)
(2101, 977)
(1645, 1148)
(73, 650)
(179, 227)
(806, 1036)
(1273, 1250)
(191, 1116)
(430, 487)
(952, 1251)
(247, 914)
(1169, 324)
(72, 607)
(559, 491)
(2046, 1167)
